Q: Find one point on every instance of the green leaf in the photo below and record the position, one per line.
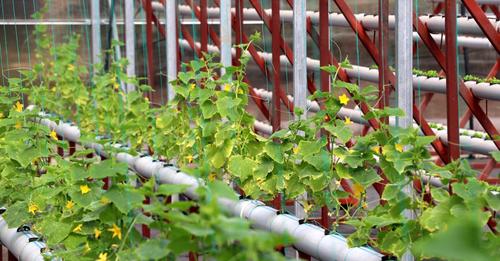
(56, 231)
(221, 189)
(153, 249)
(107, 168)
(241, 167)
(170, 189)
(343, 133)
(307, 148)
(124, 199)
(496, 155)
(391, 191)
(208, 109)
(274, 151)
(366, 177)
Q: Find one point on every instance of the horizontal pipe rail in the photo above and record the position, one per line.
(435, 23)
(438, 85)
(21, 243)
(309, 239)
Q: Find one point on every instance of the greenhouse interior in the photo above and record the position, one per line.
(348, 130)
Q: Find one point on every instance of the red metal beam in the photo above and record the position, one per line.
(276, 38)
(373, 52)
(483, 22)
(324, 44)
(451, 80)
(466, 94)
(383, 39)
(203, 26)
(149, 41)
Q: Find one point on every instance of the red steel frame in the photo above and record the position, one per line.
(379, 54)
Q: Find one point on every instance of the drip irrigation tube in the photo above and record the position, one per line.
(482, 90)
(309, 239)
(435, 23)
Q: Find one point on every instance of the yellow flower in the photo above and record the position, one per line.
(240, 91)
(19, 106)
(295, 150)
(348, 121)
(189, 158)
(212, 176)
(71, 67)
(116, 86)
(103, 257)
(192, 86)
(33, 208)
(97, 233)
(78, 228)
(70, 204)
(399, 147)
(104, 200)
(84, 189)
(19, 125)
(377, 149)
(357, 189)
(1, 115)
(87, 247)
(117, 232)
(343, 99)
(364, 205)
(227, 87)
(53, 135)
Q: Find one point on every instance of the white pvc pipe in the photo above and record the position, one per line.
(435, 23)
(23, 245)
(318, 245)
(438, 85)
(467, 143)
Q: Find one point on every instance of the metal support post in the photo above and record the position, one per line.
(225, 33)
(404, 77)
(96, 30)
(451, 79)
(171, 35)
(130, 41)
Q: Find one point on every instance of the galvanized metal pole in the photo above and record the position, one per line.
(96, 30)
(404, 87)
(171, 29)
(130, 41)
(299, 54)
(225, 33)
(300, 71)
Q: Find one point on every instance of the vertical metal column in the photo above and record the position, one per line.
(203, 26)
(95, 15)
(324, 44)
(451, 79)
(130, 41)
(238, 28)
(383, 39)
(299, 54)
(276, 38)
(171, 30)
(300, 71)
(404, 77)
(149, 42)
(225, 33)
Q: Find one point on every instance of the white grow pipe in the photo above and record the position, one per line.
(438, 85)
(24, 245)
(309, 239)
(435, 23)
(467, 143)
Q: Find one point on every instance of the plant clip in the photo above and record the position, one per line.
(242, 197)
(177, 171)
(327, 232)
(2, 210)
(143, 155)
(279, 212)
(302, 221)
(23, 228)
(33, 239)
(167, 165)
